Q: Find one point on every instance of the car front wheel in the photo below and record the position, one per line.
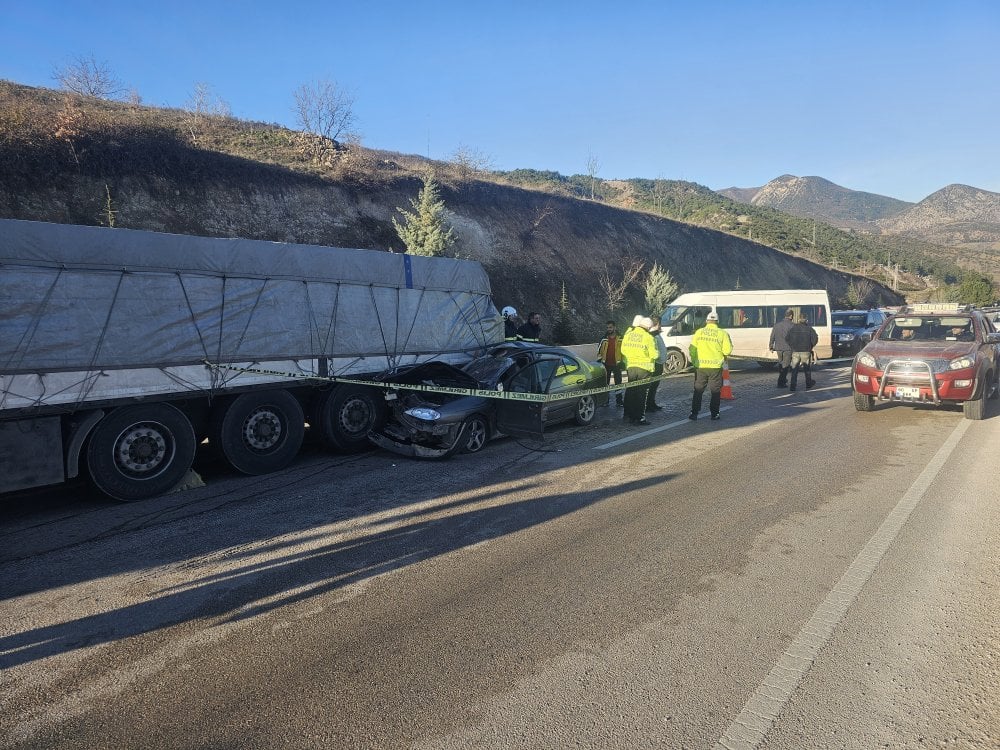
(477, 434)
(863, 402)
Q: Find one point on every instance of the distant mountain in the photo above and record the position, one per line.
(816, 198)
(954, 215)
(740, 195)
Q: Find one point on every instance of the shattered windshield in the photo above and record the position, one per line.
(488, 369)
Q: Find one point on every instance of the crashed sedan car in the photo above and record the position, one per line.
(930, 354)
(436, 424)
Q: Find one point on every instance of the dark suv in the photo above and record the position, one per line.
(930, 354)
(852, 329)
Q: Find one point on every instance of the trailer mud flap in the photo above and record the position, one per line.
(31, 453)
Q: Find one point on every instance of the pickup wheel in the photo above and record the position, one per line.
(975, 408)
(347, 414)
(994, 387)
(137, 452)
(864, 402)
(258, 432)
(586, 408)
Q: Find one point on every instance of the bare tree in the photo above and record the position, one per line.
(88, 77)
(110, 212)
(614, 286)
(858, 291)
(201, 105)
(593, 166)
(325, 111)
(470, 162)
(205, 102)
(69, 126)
(543, 213)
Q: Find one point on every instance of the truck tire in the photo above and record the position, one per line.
(347, 414)
(258, 432)
(864, 402)
(675, 361)
(138, 452)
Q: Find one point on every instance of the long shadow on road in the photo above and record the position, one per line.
(257, 588)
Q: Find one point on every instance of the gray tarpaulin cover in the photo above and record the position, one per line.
(83, 298)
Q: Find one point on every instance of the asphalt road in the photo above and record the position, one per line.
(796, 575)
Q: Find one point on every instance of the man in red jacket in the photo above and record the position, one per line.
(609, 352)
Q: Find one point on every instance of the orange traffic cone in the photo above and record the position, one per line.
(727, 388)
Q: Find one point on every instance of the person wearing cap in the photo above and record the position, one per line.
(779, 345)
(661, 360)
(639, 352)
(509, 323)
(709, 348)
(802, 337)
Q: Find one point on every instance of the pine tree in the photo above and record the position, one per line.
(660, 289)
(423, 231)
(562, 332)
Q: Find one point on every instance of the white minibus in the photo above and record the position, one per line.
(748, 316)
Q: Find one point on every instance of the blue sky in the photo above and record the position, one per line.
(896, 98)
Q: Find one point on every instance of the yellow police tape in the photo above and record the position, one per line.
(452, 390)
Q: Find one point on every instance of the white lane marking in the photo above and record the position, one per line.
(653, 431)
(750, 728)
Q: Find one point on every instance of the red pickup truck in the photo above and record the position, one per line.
(930, 354)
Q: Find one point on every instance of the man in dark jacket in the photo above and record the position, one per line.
(801, 337)
(779, 345)
(532, 330)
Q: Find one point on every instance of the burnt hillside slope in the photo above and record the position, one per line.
(91, 162)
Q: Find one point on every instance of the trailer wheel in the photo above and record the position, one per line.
(347, 414)
(137, 452)
(259, 432)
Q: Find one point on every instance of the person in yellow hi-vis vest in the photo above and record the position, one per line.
(639, 352)
(709, 348)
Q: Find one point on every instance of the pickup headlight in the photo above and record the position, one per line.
(422, 412)
(867, 360)
(847, 337)
(961, 363)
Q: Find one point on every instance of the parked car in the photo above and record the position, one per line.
(931, 354)
(432, 424)
(852, 329)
